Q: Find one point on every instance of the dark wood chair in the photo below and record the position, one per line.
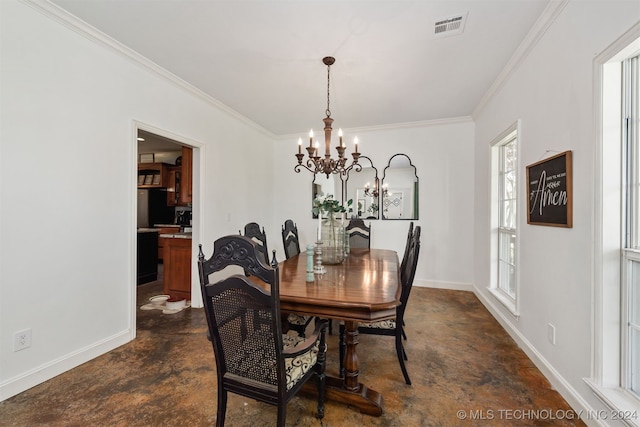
(404, 260)
(407, 246)
(290, 239)
(291, 245)
(393, 327)
(359, 234)
(252, 231)
(253, 358)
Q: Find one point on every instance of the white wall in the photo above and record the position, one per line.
(551, 92)
(443, 155)
(67, 161)
(67, 188)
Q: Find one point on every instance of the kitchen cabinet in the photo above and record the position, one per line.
(186, 176)
(164, 229)
(173, 195)
(177, 268)
(152, 175)
(180, 180)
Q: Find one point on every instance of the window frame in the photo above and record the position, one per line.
(630, 248)
(511, 134)
(606, 380)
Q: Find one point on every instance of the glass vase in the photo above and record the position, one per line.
(332, 236)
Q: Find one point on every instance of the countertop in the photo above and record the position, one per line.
(166, 225)
(176, 235)
(147, 230)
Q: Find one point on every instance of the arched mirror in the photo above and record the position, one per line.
(362, 186)
(326, 185)
(399, 191)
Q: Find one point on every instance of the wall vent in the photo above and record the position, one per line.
(450, 26)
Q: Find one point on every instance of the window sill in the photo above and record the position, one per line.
(622, 405)
(504, 300)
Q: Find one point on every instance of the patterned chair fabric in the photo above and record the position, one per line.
(394, 327)
(253, 357)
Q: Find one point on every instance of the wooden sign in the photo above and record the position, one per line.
(549, 191)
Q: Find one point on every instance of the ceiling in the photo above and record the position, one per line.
(151, 143)
(263, 58)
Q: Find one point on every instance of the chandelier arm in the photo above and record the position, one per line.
(356, 167)
(298, 168)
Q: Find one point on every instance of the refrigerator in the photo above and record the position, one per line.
(153, 209)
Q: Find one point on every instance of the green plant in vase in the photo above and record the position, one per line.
(373, 209)
(331, 229)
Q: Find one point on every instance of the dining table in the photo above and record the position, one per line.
(363, 288)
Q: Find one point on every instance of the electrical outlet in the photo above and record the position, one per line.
(22, 340)
(551, 333)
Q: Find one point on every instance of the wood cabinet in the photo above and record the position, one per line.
(186, 176)
(173, 175)
(152, 175)
(177, 268)
(180, 180)
(162, 240)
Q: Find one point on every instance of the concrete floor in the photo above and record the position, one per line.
(466, 371)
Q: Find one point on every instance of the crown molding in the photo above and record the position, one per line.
(395, 126)
(91, 33)
(538, 30)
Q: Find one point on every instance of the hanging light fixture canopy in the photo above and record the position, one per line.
(327, 165)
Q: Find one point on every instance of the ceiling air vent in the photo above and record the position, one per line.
(451, 26)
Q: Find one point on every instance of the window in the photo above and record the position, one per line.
(504, 161)
(630, 286)
(616, 353)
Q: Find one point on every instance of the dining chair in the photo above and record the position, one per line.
(252, 231)
(359, 233)
(253, 358)
(393, 327)
(291, 245)
(407, 246)
(290, 239)
(404, 261)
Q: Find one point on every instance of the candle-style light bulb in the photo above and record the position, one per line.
(310, 137)
(355, 141)
(317, 145)
(299, 145)
(340, 135)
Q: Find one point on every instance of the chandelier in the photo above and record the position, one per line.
(368, 191)
(326, 165)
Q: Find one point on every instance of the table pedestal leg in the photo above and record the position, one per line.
(349, 390)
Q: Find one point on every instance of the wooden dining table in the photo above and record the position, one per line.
(363, 288)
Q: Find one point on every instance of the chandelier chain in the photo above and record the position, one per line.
(328, 111)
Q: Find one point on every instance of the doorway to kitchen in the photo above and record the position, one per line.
(164, 224)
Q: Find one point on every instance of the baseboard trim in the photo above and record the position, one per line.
(51, 369)
(575, 400)
(454, 286)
